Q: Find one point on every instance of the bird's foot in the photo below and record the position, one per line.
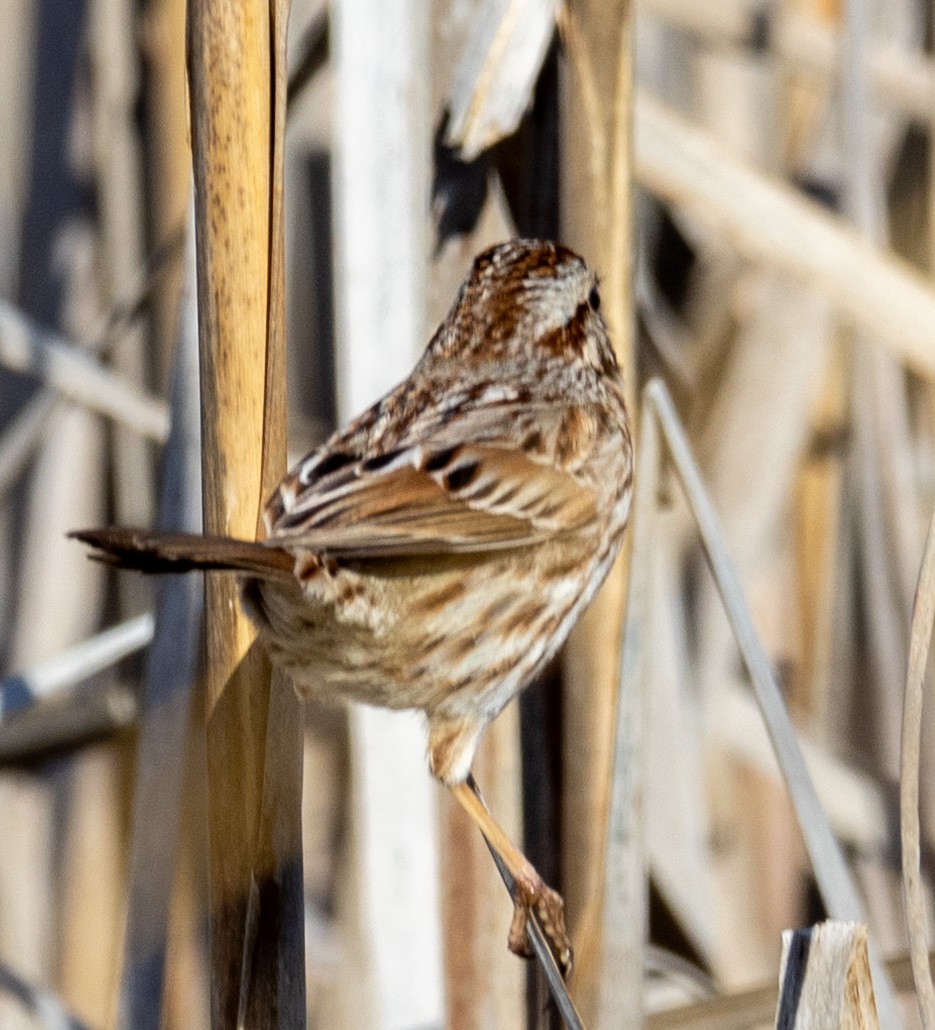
(533, 897)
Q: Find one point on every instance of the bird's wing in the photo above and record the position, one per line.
(467, 483)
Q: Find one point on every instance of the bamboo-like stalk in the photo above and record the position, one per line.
(597, 221)
(273, 991)
(237, 82)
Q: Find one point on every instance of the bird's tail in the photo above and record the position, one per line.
(154, 552)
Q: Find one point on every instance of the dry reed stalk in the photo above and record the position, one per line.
(597, 220)
(923, 620)
(754, 1006)
(162, 41)
(274, 987)
(237, 82)
(831, 873)
(825, 977)
(381, 157)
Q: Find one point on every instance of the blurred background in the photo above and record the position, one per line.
(782, 259)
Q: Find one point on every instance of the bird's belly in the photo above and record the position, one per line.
(456, 642)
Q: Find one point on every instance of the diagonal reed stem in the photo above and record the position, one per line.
(834, 880)
(540, 945)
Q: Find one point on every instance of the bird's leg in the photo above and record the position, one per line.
(530, 893)
(452, 743)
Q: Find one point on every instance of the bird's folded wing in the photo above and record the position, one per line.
(422, 499)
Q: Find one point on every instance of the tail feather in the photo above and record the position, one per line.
(154, 552)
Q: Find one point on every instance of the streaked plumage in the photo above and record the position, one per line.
(445, 542)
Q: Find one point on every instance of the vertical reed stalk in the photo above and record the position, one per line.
(237, 85)
(597, 221)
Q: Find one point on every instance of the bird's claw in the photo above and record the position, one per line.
(549, 909)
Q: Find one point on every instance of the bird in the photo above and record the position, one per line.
(436, 552)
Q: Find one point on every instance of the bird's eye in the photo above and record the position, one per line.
(594, 299)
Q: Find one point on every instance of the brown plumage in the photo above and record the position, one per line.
(436, 552)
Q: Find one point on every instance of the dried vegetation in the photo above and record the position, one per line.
(718, 756)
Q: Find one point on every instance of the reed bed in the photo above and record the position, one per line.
(225, 229)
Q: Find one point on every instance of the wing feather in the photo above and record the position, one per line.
(461, 485)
